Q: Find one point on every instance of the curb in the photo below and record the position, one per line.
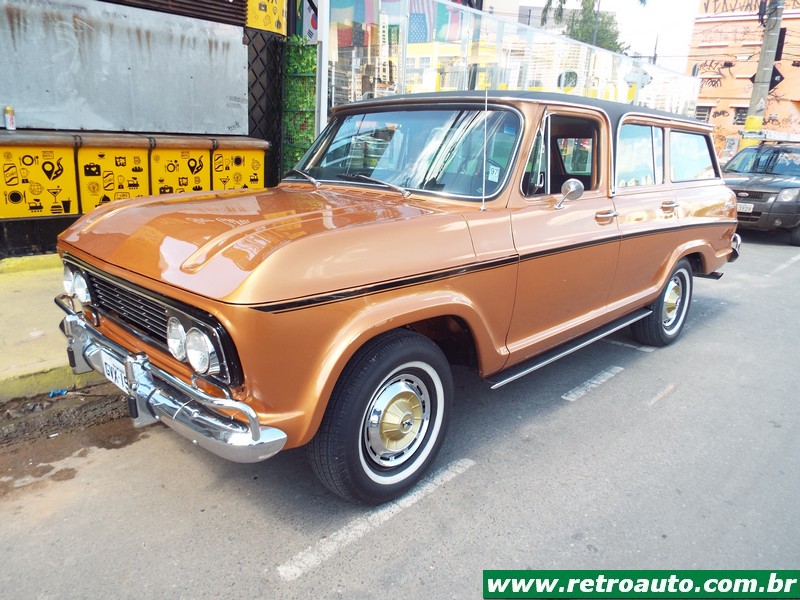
(19, 264)
(43, 382)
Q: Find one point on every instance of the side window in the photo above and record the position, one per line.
(690, 156)
(640, 156)
(535, 179)
(576, 154)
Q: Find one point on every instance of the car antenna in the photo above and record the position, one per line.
(485, 118)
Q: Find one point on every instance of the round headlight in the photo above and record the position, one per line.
(81, 289)
(200, 352)
(788, 195)
(69, 281)
(176, 338)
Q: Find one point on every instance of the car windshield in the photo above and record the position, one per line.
(453, 151)
(770, 160)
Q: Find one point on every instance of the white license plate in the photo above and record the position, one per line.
(114, 371)
(744, 207)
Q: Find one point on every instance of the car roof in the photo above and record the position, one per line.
(614, 110)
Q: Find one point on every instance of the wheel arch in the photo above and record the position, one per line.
(454, 324)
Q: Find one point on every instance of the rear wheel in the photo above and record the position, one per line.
(386, 419)
(664, 326)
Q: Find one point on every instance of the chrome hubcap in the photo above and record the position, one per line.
(396, 420)
(673, 298)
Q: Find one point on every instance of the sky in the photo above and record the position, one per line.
(670, 21)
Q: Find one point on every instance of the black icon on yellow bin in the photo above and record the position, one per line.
(120, 161)
(108, 180)
(10, 174)
(172, 166)
(15, 197)
(52, 171)
(166, 189)
(104, 199)
(91, 170)
(195, 166)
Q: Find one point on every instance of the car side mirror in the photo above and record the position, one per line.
(572, 189)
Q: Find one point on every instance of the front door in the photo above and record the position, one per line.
(568, 251)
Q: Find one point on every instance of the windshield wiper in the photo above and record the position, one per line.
(362, 177)
(305, 175)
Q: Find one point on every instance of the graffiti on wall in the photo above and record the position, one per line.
(714, 7)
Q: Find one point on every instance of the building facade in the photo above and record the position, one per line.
(724, 54)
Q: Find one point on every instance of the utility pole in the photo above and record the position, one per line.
(766, 64)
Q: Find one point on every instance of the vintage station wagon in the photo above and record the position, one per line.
(501, 230)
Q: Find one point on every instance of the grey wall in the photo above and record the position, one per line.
(83, 64)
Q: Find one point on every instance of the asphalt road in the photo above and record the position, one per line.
(617, 457)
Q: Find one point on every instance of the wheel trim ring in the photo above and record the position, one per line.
(387, 442)
(673, 300)
(384, 476)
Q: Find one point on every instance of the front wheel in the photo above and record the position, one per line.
(386, 419)
(666, 322)
(794, 236)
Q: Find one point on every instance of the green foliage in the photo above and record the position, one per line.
(299, 98)
(598, 29)
(300, 57)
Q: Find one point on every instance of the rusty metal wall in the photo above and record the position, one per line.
(88, 65)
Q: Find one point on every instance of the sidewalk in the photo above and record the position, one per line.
(33, 357)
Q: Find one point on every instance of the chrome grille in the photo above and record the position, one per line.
(751, 195)
(130, 307)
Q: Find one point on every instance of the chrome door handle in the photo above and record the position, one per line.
(670, 204)
(609, 214)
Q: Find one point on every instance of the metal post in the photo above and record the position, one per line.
(323, 35)
(766, 62)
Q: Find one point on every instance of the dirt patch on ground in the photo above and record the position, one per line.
(37, 432)
(43, 416)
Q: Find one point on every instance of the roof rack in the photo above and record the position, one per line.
(769, 135)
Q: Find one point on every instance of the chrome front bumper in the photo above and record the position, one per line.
(155, 395)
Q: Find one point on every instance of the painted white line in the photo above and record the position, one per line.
(783, 266)
(594, 382)
(663, 393)
(315, 555)
(634, 346)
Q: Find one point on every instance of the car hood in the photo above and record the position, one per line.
(745, 181)
(273, 245)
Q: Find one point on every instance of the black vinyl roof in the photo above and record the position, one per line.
(614, 110)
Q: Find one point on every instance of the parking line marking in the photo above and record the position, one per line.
(315, 555)
(634, 346)
(594, 382)
(663, 393)
(784, 265)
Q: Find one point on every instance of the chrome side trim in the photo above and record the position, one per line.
(537, 362)
(156, 395)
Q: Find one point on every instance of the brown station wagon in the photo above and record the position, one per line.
(502, 230)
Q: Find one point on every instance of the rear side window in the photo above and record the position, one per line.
(640, 156)
(690, 156)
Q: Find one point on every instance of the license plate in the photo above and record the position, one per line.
(744, 207)
(114, 371)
